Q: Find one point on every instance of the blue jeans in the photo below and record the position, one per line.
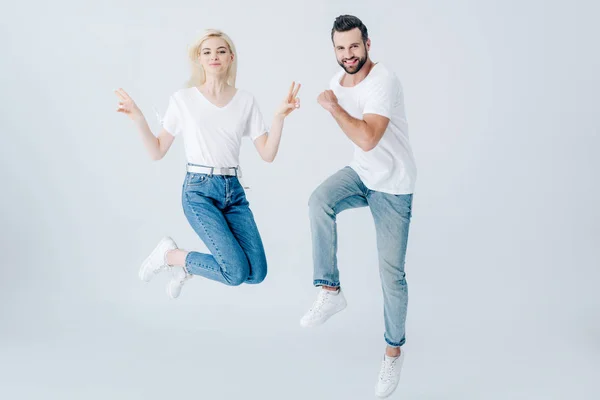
(217, 209)
(391, 213)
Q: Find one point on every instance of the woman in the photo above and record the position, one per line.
(212, 115)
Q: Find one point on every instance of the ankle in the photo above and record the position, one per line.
(393, 351)
(175, 258)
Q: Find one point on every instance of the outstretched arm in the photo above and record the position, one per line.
(157, 146)
(267, 145)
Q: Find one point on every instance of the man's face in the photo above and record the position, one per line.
(350, 50)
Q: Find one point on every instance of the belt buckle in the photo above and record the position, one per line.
(224, 170)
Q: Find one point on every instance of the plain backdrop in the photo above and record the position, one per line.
(503, 261)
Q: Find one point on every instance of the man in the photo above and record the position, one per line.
(366, 100)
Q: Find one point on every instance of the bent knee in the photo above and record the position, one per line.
(318, 200)
(237, 276)
(259, 272)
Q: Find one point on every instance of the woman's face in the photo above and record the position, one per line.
(215, 56)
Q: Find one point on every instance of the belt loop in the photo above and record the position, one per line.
(212, 170)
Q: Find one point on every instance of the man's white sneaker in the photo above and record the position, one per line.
(327, 304)
(180, 275)
(156, 261)
(389, 376)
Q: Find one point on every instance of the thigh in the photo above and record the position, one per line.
(240, 220)
(211, 226)
(392, 215)
(341, 191)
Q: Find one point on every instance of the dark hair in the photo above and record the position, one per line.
(345, 23)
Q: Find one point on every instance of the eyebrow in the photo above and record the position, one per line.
(351, 44)
(218, 48)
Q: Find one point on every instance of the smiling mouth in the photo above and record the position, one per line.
(351, 62)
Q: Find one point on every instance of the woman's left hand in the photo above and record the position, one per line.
(291, 102)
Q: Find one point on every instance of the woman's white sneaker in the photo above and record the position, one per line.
(180, 275)
(157, 260)
(327, 304)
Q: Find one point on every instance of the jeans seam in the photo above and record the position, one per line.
(334, 230)
(221, 264)
(203, 266)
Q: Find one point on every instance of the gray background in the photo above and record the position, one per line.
(503, 255)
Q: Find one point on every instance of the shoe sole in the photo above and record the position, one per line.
(384, 396)
(388, 394)
(146, 262)
(170, 294)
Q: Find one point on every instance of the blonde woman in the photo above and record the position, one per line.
(212, 116)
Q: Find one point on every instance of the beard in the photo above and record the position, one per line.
(355, 68)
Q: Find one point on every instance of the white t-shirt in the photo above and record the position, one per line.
(212, 135)
(389, 167)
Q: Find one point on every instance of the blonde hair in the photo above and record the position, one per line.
(198, 74)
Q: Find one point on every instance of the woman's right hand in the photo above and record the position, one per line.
(127, 106)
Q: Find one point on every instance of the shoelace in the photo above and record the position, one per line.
(316, 307)
(161, 268)
(185, 278)
(387, 370)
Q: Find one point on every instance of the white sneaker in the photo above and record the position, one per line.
(389, 376)
(327, 304)
(157, 260)
(180, 275)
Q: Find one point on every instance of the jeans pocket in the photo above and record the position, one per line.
(195, 180)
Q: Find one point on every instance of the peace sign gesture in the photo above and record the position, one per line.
(127, 106)
(291, 102)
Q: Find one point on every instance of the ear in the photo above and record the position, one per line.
(368, 44)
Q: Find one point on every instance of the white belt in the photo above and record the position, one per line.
(202, 169)
(225, 171)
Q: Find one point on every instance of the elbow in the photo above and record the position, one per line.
(267, 156)
(367, 145)
(369, 141)
(156, 156)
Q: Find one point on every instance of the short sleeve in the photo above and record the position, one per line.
(256, 125)
(172, 119)
(382, 96)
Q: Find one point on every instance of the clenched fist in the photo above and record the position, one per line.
(327, 100)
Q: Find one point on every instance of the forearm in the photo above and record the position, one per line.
(357, 130)
(271, 146)
(150, 141)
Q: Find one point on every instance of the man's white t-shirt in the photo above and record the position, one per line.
(212, 135)
(389, 167)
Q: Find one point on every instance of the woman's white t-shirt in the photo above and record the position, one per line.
(212, 135)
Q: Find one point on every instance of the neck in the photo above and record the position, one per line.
(358, 77)
(215, 84)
